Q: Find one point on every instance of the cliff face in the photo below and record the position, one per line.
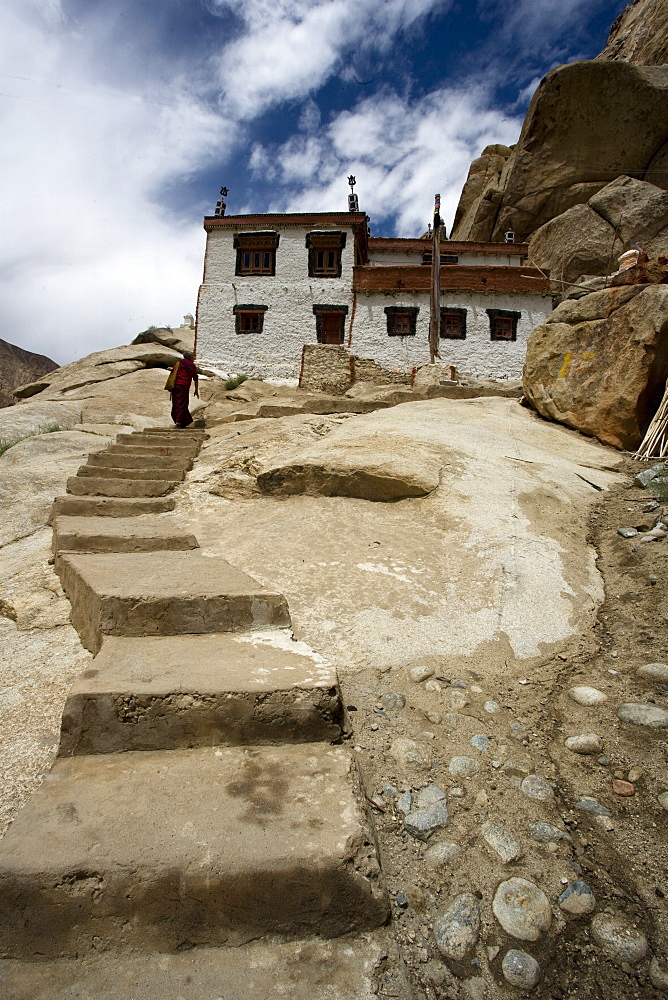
(640, 34)
(588, 123)
(18, 367)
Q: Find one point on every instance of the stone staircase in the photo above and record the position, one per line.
(201, 835)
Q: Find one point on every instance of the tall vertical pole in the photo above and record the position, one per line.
(435, 301)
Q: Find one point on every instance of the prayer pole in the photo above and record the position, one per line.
(435, 303)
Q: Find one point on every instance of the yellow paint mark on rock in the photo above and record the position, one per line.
(566, 364)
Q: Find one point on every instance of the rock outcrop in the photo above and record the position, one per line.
(588, 239)
(588, 123)
(640, 34)
(180, 339)
(18, 366)
(600, 363)
(481, 194)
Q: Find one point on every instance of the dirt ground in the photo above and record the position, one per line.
(623, 858)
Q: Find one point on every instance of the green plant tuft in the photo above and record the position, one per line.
(234, 383)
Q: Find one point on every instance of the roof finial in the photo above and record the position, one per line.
(353, 203)
(222, 204)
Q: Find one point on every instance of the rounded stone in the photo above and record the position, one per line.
(658, 975)
(522, 909)
(433, 685)
(546, 833)
(442, 855)
(455, 700)
(620, 787)
(536, 787)
(492, 707)
(393, 702)
(643, 714)
(463, 767)
(586, 803)
(587, 696)
(585, 743)
(457, 930)
(503, 843)
(421, 673)
(480, 742)
(654, 672)
(577, 899)
(408, 752)
(520, 969)
(618, 938)
(662, 799)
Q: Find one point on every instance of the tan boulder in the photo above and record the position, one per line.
(180, 339)
(367, 468)
(477, 205)
(576, 242)
(640, 34)
(637, 211)
(588, 123)
(600, 363)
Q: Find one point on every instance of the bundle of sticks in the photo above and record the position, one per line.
(655, 442)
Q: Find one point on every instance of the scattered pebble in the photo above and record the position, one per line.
(433, 717)
(546, 832)
(635, 774)
(433, 685)
(585, 743)
(457, 930)
(393, 702)
(654, 672)
(522, 909)
(643, 714)
(505, 844)
(463, 767)
(577, 899)
(620, 787)
(480, 742)
(421, 673)
(587, 696)
(430, 815)
(658, 975)
(627, 532)
(457, 793)
(536, 787)
(441, 855)
(458, 683)
(603, 760)
(475, 988)
(404, 802)
(492, 707)
(455, 700)
(401, 899)
(520, 969)
(407, 752)
(618, 938)
(586, 803)
(662, 799)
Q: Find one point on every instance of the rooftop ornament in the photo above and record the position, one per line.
(221, 205)
(353, 202)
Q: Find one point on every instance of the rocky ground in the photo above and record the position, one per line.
(475, 629)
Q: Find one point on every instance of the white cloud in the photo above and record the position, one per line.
(290, 47)
(402, 152)
(91, 256)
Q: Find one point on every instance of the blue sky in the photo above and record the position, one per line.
(122, 119)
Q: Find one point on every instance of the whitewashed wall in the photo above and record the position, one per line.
(290, 295)
(464, 259)
(477, 355)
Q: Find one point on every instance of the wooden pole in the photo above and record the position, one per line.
(435, 302)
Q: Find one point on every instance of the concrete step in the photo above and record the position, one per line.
(99, 486)
(110, 506)
(171, 692)
(180, 439)
(339, 969)
(169, 850)
(129, 459)
(181, 592)
(177, 452)
(102, 472)
(121, 534)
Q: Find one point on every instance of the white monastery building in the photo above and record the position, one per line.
(273, 283)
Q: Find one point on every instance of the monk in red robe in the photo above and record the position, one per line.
(187, 373)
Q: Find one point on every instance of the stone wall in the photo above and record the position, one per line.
(327, 368)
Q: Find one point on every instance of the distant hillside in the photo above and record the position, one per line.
(18, 367)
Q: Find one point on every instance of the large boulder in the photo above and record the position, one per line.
(577, 242)
(99, 367)
(640, 34)
(180, 339)
(481, 194)
(600, 363)
(637, 210)
(371, 468)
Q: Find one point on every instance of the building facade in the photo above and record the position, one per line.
(273, 283)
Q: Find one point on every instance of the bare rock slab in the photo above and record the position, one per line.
(179, 848)
(122, 534)
(182, 592)
(340, 969)
(172, 692)
(110, 506)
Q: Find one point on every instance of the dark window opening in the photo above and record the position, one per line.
(401, 320)
(256, 253)
(249, 319)
(453, 324)
(330, 324)
(503, 324)
(324, 254)
(446, 258)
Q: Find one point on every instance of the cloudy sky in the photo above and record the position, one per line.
(123, 118)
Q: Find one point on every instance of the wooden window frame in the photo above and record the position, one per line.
(329, 247)
(393, 311)
(318, 311)
(446, 258)
(253, 245)
(505, 315)
(453, 311)
(240, 312)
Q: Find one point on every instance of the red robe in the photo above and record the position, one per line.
(180, 393)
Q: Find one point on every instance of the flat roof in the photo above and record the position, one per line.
(398, 244)
(454, 277)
